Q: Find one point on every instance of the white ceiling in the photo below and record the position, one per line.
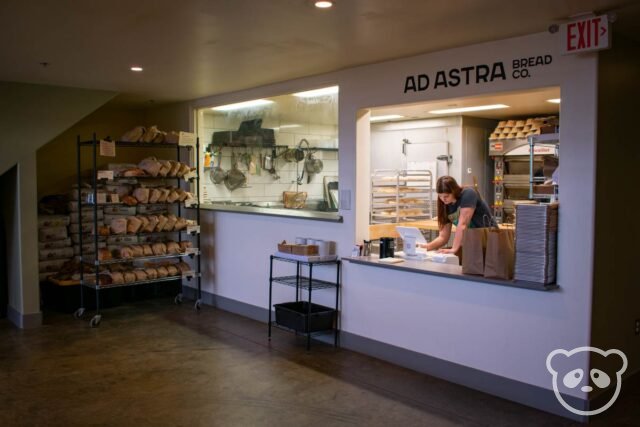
(520, 104)
(196, 48)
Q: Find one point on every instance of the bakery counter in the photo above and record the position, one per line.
(389, 230)
(254, 209)
(444, 270)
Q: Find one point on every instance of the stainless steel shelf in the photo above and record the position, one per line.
(144, 258)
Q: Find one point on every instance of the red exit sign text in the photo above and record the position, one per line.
(585, 35)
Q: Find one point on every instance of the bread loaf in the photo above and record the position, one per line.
(175, 168)
(134, 135)
(133, 224)
(126, 252)
(172, 270)
(150, 165)
(137, 250)
(159, 249)
(171, 222)
(184, 245)
(129, 201)
(154, 195)
(183, 267)
(104, 254)
(165, 167)
(118, 226)
(141, 194)
(146, 250)
(153, 223)
(133, 172)
(152, 273)
(117, 278)
(140, 275)
(162, 272)
(181, 224)
(173, 248)
(129, 277)
(162, 221)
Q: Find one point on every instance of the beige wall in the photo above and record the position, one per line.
(34, 114)
(616, 295)
(57, 159)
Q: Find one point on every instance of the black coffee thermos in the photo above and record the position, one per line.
(387, 246)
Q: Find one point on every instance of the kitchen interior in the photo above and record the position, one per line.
(483, 142)
(278, 153)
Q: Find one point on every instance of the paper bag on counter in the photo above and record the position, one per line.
(474, 243)
(500, 254)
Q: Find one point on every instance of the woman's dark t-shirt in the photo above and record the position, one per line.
(469, 198)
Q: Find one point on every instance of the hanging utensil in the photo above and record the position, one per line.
(235, 178)
(313, 166)
(217, 174)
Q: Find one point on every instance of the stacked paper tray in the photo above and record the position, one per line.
(536, 243)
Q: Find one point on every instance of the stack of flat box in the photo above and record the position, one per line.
(536, 243)
(54, 244)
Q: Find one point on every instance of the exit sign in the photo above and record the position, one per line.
(585, 35)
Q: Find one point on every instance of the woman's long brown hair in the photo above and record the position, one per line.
(446, 184)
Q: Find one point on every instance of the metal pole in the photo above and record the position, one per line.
(95, 212)
(337, 329)
(270, 291)
(309, 308)
(79, 178)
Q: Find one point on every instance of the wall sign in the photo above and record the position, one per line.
(585, 35)
(516, 68)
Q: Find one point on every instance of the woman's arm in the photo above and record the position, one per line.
(441, 240)
(463, 222)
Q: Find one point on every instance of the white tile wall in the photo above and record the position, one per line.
(263, 187)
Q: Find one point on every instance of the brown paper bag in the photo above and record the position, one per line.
(474, 242)
(500, 254)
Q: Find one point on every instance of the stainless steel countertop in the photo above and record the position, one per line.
(445, 270)
(291, 213)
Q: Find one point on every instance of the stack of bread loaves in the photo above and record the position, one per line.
(54, 246)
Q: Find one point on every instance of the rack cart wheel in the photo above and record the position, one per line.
(197, 305)
(79, 313)
(178, 299)
(95, 321)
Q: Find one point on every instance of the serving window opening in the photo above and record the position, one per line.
(504, 146)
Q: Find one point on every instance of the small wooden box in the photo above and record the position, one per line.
(285, 247)
(304, 249)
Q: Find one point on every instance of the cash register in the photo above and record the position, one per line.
(411, 237)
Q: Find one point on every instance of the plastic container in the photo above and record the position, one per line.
(294, 315)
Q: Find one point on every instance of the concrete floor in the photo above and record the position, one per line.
(156, 364)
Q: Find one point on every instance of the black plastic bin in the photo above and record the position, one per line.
(293, 315)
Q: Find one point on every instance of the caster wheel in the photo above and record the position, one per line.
(197, 305)
(78, 313)
(178, 299)
(95, 321)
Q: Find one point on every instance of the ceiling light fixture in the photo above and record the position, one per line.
(554, 100)
(467, 109)
(383, 118)
(136, 69)
(331, 90)
(323, 4)
(241, 105)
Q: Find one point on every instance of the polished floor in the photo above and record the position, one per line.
(156, 364)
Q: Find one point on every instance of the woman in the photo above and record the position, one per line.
(461, 207)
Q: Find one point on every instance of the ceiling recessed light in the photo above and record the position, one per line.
(136, 69)
(317, 92)
(241, 105)
(323, 4)
(467, 109)
(554, 101)
(386, 117)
